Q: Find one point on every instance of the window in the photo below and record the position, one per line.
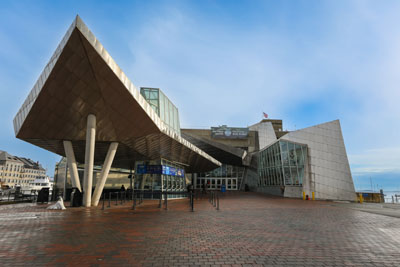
(282, 163)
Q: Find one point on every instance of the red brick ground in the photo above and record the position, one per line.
(250, 229)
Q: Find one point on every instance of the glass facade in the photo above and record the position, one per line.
(282, 164)
(62, 178)
(164, 108)
(170, 178)
(160, 175)
(228, 175)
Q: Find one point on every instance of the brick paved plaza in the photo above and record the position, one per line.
(250, 229)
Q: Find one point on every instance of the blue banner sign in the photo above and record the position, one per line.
(141, 169)
(159, 169)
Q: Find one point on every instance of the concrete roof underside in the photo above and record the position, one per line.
(80, 79)
(224, 153)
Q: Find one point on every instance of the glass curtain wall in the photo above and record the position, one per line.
(282, 164)
(62, 178)
(228, 175)
(164, 108)
(173, 182)
(160, 175)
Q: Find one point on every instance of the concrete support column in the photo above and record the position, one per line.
(89, 160)
(104, 173)
(69, 152)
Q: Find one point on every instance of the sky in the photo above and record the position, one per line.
(227, 62)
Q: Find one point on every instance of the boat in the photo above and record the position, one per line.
(37, 185)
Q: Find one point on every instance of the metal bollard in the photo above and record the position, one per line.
(104, 196)
(217, 202)
(134, 201)
(214, 199)
(159, 204)
(116, 200)
(166, 201)
(109, 199)
(192, 200)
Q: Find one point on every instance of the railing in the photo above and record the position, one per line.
(137, 198)
(214, 199)
(16, 197)
(395, 199)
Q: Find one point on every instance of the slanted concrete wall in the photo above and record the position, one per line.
(266, 133)
(251, 179)
(329, 175)
(270, 190)
(294, 191)
(290, 191)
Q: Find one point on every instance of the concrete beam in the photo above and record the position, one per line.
(69, 152)
(104, 173)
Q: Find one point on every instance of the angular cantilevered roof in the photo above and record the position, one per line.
(80, 79)
(224, 153)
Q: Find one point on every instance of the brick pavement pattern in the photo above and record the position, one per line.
(249, 230)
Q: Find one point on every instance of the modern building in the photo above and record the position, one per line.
(269, 160)
(19, 171)
(84, 108)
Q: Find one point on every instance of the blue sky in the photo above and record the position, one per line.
(226, 62)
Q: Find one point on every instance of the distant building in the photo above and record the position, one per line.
(372, 197)
(19, 171)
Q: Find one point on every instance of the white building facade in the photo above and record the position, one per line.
(310, 161)
(19, 171)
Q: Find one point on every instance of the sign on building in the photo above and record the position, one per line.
(224, 132)
(159, 169)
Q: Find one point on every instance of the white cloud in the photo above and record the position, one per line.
(216, 73)
(379, 160)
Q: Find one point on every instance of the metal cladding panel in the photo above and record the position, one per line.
(266, 133)
(329, 174)
(81, 79)
(225, 154)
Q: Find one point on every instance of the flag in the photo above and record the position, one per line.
(265, 115)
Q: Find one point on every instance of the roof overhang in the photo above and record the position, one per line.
(80, 79)
(224, 153)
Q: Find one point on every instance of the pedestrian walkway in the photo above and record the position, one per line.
(388, 209)
(249, 229)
